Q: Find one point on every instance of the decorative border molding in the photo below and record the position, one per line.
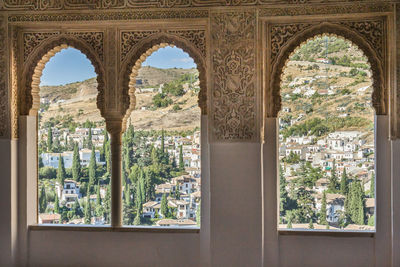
(4, 105)
(233, 56)
(42, 5)
(136, 46)
(396, 113)
(363, 33)
(327, 9)
(112, 15)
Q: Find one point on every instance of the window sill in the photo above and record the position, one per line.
(94, 228)
(331, 233)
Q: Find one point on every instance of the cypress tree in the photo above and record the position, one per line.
(42, 200)
(164, 206)
(139, 204)
(107, 205)
(61, 171)
(103, 148)
(76, 207)
(322, 219)
(372, 188)
(98, 196)
(89, 139)
(49, 139)
(162, 143)
(177, 192)
(108, 157)
(344, 183)
(88, 211)
(154, 156)
(76, 164)
(92, 169)
(283, 194)
(289, 224)
(333, 183)
(56, 204)
(181, 163)
(310, 224)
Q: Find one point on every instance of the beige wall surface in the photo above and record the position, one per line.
(239, 107)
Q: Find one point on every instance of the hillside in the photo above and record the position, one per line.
(78, 101)
(328, 79)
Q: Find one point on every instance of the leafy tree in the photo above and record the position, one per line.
(372, 188)
(139, 204)
(42, 200)
(76, 164)
(310, 224)
(76, 207)
(344, 183)
(47, 173)
(164, 206)
(49, 139)
(88, 211)
(283, 194)
(322, 218)
(41, 165)
(61, 171)
(56, 204)
(371, 220)
(107, 205)
(89, 143)
(103, 148)
(333, 182)
(92, 169)
(177, 192)
(181, 162)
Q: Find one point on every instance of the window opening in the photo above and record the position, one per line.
(326, 138)
(161, 163)
(73, 146)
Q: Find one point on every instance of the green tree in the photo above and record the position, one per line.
(89, 144)
(92, 169)
(372, 187)
(139, 204)
(333, 181)
(283, 194)
(164, 206)
(103, 148)
(177, 192)
(181, 162)
(76, 207)
(49, 139)
(42, 200)
(56, 204)
(107, 205)
(76, 164)
(322, 218)
(310, 224)
(344, 183)
(88, 209)
(61, 171)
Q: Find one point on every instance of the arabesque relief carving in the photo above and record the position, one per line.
(4, 110)
(118, 4)
(362, 33)
(233, 76)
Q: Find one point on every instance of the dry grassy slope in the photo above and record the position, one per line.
(82, 96)
(327, 106)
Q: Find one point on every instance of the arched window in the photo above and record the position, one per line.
(326, 138)
(161, 155)
(73, 147)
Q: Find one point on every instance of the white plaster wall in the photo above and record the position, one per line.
(67, 248)
(298, 251)
(235, 179)
(5, 203)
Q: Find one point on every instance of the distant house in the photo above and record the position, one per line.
(49, 218)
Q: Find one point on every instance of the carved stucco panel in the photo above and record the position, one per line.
(4, 105)
(233, 78)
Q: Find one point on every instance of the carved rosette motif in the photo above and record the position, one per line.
(136, 46)
(4, 110)
(132, 38)
(94, 39)
(33, 39)
(233, 68)
(365, 34)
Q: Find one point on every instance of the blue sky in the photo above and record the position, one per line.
(70, 65)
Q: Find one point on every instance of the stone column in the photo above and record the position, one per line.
(115, 130)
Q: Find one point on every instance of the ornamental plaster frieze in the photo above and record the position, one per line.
(4, 106)
(233, 76)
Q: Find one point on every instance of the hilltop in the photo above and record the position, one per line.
(77, 101)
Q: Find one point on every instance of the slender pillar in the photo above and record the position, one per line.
(116, 184)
